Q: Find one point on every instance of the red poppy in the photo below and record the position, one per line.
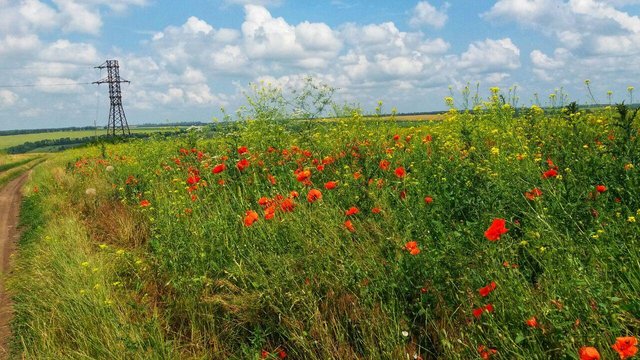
(551, 173)
(400, 172)
(264, 354)
(376, 210)
(357, 175)
(533, 194)
(313, 195)
(496, 230)
(294, 194)
(485, 352)
(145, 203)
(485, 291)
(242, 150)
(352, 211)
(588, 353)
(264, 202)
(412, 247)
(272, 179)
(270, 212)
(532, 322)
(626, 346)
(320, 167)
(396, 137)
(282, 354)
(330, 185)
(242, 164)
(349, 226)
(193, 179)
(477, 312)
(287, 205)
(384, 164)
(250, 217)
(601, 188)
(427, 139)
(428, 200)
(303, 175)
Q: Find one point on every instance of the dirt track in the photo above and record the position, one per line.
(10, 198)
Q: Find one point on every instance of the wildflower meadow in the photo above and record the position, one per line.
(500, 232)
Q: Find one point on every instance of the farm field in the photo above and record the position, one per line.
(7, 141)
(479, 236)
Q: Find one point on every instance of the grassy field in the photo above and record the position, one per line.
(484, 235)
(7, 141)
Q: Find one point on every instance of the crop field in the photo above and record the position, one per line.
(7, 141)
(482, 235)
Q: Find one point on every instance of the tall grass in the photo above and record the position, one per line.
(208, 284)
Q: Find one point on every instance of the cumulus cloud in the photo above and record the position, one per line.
(490, 56)
(591, 27)
(74, 53)
(425, 14)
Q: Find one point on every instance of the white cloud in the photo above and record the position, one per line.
(195, 26)
(15, 44)
(7, 98)
(426, 14)
(79, 17)
(490, 56)
(66, 51)
(542, 61)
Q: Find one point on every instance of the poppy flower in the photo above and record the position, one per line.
(396, 137)
(287, 205)
(282, 354)
(242, 164)
(303, 175)
(250, 217)
(264, 354)
(349, 226)
(588, 353)
(533, 194)
(485, 291)
(551, 173)
(384, 164)
(242, 150)
(376, 210)
(264, 201)
(412, 247)
(320, 167)
(427, 139)
(218, 169)
(352, 211)
(357, 175)
(193, 179)
(145, 203)
(330, 185)
(294, 194)
(626, 346)
(313, 195)
(485, 352)
(601, 188)
(428, 200)
(477, 312)
(400, 172)
(496, 230)
(532, 322)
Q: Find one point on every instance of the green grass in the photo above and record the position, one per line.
(210, 284)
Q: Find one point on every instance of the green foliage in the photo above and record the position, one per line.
(303, 283)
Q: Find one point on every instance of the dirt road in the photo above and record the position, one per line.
(10, 198)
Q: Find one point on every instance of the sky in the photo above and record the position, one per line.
(187, 59)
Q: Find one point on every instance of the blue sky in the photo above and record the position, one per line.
(187, 59)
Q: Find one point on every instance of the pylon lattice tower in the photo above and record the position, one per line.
(117, 118)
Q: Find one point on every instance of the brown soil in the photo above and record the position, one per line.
(10, 199)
